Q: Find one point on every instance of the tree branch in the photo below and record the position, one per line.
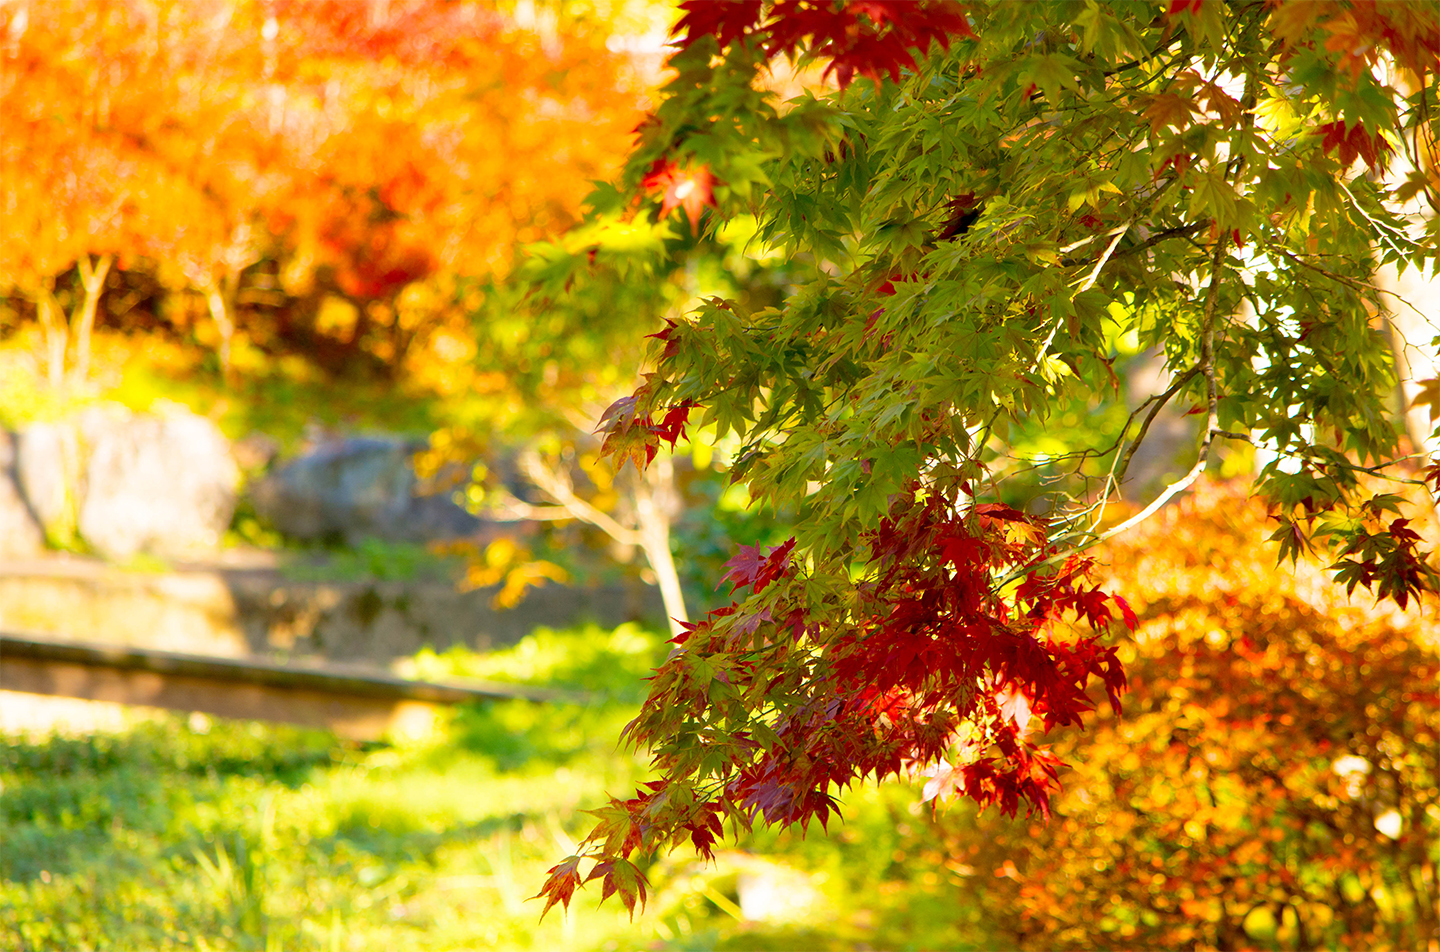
(1212, 416)
(1212, 427)
(1160, 402)
(558, 488)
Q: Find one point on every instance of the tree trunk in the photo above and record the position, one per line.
(1409, 298)
(656, 503)
(92, 277)
(56, 333)
(219, 295)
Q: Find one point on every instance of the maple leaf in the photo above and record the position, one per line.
(726, 22)
(1015, 707)
(1168, 109)
(751, 567)
(1352, 142)
(705, 830)
(629, 435)
(1184, 6)
(560, 884)
(1432, 473)
(672, 426)
(620, 877)
(868, 37)
(1126, 612)
(667, 337)
(692, 189)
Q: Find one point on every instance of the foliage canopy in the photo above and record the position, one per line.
(1009, 196)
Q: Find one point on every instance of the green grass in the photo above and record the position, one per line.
(371, 559)
(187, 834)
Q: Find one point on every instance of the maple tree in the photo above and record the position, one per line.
(1015, 189)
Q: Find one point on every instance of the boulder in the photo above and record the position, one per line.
(356, 488)
(163, 484)
(127, 482)
(20, 533)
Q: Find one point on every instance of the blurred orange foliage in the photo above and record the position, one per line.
(1273, 781)
(362, 145)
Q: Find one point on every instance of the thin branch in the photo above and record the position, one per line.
(558, 488)
(1353, 283)
(1109, 250)
(1160, 401)
(510, 509)
(1384, 230)
(1212, 428)
(1212, 416)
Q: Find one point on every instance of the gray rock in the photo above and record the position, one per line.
(20, 532)
(357, 488)
(162, 484)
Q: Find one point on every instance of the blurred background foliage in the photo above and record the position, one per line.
(302, 218)
(1272, 784)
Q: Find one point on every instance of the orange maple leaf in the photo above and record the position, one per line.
(691, 189)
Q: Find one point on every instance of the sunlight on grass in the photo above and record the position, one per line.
(184, 834)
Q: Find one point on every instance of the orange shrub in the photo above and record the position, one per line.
(1274, 780)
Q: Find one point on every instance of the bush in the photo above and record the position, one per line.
(1272, 779)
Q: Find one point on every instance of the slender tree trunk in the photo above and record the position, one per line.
(1412, 303)
(56, 333)
(656, 503)
(92, 277)
(219, 294)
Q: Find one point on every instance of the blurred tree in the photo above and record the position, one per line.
(1272, 780)
(563, 341)
(367, 148)
(63, 166)
(428, 139)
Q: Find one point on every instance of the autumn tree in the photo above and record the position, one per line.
(1000, 193)
(1268, 782)
(64, 165)
(361, 150)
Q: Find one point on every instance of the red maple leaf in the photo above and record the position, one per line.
(691, 189)
(757, 570)
(560, 884)
(726, 22)
(672, 426)
(1352, 142)
(1184, 6)
(869, 37)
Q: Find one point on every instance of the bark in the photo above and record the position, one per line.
(92, 278)
(56, 333)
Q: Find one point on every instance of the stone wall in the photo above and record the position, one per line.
(238, 611)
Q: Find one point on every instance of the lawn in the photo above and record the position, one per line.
(192, 833)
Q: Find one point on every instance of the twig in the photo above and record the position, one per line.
(1212, 416)
(1109, 250)
(1212, 427)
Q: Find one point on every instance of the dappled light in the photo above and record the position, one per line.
(595, 475)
